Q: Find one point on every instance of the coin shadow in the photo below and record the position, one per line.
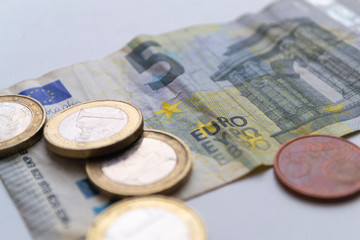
(117, 155)
(70, 162)
(78, 165)
(297, 196)
(317, 201)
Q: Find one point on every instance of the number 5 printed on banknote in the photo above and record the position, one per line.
(233, 92)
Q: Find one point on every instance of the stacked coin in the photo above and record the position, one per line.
(319, 166)
(21, 121)
(153, 161)
(134, 162)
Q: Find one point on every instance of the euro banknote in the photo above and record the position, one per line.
(233, 92)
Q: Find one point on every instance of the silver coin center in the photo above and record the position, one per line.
(148, 161)
(93, 124)
(14, 119)
(148, 224)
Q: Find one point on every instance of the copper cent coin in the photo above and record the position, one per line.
(319, 166)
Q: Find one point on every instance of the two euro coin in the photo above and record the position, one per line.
(158, 162)
(21, 121)
(155, 217)
(94, 128)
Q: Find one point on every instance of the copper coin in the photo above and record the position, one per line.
(319, 166)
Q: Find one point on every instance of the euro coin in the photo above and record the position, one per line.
(319, 166)
(148, 218)
(21, 121)
(157, 163)
(93, 129)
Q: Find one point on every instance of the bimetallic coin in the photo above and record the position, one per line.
(148, 218)
(93, 129)
(319, 166)
(21, 121)
(157, 162)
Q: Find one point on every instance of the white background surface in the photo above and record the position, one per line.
(40, 36)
